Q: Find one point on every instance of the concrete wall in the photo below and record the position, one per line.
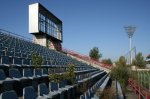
(40, 39)
(33, 18)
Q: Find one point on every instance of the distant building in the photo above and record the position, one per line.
(148, 61)
(45, 27)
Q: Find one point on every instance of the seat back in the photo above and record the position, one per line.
(9, 95)
(29, 93)
(42, 89)
(27, 73)
(2, 75)
(44, 71)
(62, 84)
(14, 73)
(82, 97)
(53, 86)
(5, 59)
(87, 95)
(38, 72)
(91, 91)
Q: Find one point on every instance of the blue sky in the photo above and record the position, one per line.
(88, 23)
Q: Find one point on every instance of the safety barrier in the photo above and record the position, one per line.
(119, 94)
(86, 58)
(142, 93)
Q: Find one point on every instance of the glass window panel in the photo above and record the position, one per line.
(48, 26)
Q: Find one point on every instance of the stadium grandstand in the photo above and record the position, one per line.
(20, 79)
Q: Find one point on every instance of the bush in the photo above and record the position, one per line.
(139, 61)
(70, 75)
(108, 93)
(107, 61)
(36, 60)
(55, 77)
(120, 72)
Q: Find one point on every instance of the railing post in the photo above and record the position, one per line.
(138, 77)
(146, 97)
(144, 85)
(141, 79)
(139, 97)
(129, 82)
(134, 87)
(132, 84)
(149, 81)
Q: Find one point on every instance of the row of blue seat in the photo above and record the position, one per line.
(49, 69)
(7, 48)
(18, 52)
(87, 76)
(53, 92)
(27, 72)
(99, 85)
(31, 77)
(53, 86)
(18, 82)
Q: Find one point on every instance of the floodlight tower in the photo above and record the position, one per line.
(130, 31)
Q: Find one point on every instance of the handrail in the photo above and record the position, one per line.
(119, 94)
(86, 58)
(138, 89)
(16, 35)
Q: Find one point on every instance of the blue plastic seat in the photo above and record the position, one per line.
(5, 82)
(45, 71)
(2, 53)
(35, 80)
(25, 61)
(37, 72)
(27, 72)
(17, 61)
(42, 89)
(44, 92)
(23, 54)
(5, 60)
(82, 97)
(29, 93)
(9, 95)
(17, 54)
(62, 84)
(15, 74)
(53, 86)
(3, 77)
(10, 53)
(87, 95)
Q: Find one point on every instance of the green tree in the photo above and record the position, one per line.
(139, 61)
(70, 73)
(95, 54)
(36, 60)
(120, 72)
(107, 61)
(121, 62)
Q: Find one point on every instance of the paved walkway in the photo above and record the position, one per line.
(130, 94)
